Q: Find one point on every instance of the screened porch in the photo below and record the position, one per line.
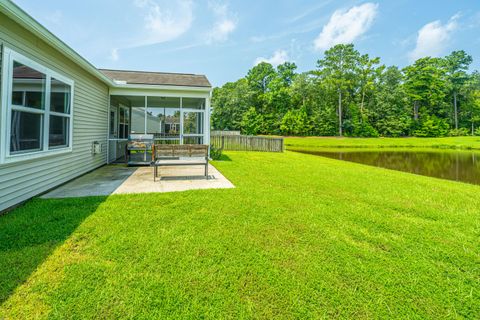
(165, 119)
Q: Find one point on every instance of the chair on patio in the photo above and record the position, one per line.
(172, 155)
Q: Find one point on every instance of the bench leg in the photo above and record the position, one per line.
(206, 171)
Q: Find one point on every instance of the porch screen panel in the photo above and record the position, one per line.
(163, 117)
(194, 103)
(193, 123)
(138, 120)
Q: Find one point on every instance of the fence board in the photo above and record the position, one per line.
(225, 133)
(247, 143)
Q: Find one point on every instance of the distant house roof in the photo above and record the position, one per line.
(157, 78)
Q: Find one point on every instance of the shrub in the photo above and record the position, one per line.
(477, 131)
(461, 132)
(432, 127)
(295, 122)
(215, 153)
(365, 130)
(361, 128)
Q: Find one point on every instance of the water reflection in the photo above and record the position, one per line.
(452, 165)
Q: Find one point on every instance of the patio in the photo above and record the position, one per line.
(119, 179)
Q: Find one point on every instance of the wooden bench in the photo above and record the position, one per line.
(172, 155)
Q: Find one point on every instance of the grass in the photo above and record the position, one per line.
(300, 237)
(469, 143)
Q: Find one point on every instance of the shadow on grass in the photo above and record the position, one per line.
(224, 157)
(29, 234)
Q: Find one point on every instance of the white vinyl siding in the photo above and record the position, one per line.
(22, 180)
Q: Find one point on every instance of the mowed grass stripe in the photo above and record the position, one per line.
(300, 237)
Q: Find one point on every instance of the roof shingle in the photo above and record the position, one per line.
(157, 78)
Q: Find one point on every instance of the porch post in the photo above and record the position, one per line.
(145, 115)
(181, 120)
(207, 122)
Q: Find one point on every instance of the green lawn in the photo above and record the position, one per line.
(300, 237)
(294, 143)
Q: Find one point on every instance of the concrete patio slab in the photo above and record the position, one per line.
(119, 179)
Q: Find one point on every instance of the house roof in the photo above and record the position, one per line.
(157, 78)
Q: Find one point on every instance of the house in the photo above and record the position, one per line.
(60, 117)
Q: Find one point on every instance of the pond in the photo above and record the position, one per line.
(445, 164)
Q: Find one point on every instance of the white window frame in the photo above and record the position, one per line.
(9, 56)
(204, 123)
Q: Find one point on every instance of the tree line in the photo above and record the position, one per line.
(354, 95)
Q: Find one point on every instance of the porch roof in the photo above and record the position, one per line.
(157, 78)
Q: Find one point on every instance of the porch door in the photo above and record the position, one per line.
(124, 123)
(193, 126)
(113, 123)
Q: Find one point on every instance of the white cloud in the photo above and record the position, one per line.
(279, 57)
(165, 23)
(309, 11)
(114, 55)
(433, 38)
(225, 23)
(346, 25)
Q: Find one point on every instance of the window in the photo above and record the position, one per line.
(39, 108)
(27, 109)
(124, 123)
(58, 136)
(113, 122)
(193, 116)
(26, 131)
(193, 103)
(163, 118)
(169, 119)
(60, 97)
(193, 123)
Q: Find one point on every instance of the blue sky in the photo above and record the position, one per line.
(224, 39)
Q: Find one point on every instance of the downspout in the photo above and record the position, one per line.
(108, 128)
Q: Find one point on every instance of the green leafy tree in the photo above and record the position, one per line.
(457, 64)
(426, 86)
(229, 103)
(295, 122)
(252, 122)
(471, 109)
(355, 95)
(338, 69)
(368, 73)
(432, 126)
(259, 77)
(390, 112)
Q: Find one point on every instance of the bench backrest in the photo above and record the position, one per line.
(177, 150)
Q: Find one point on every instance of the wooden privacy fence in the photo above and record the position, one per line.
(225, 133)
(247, 143)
